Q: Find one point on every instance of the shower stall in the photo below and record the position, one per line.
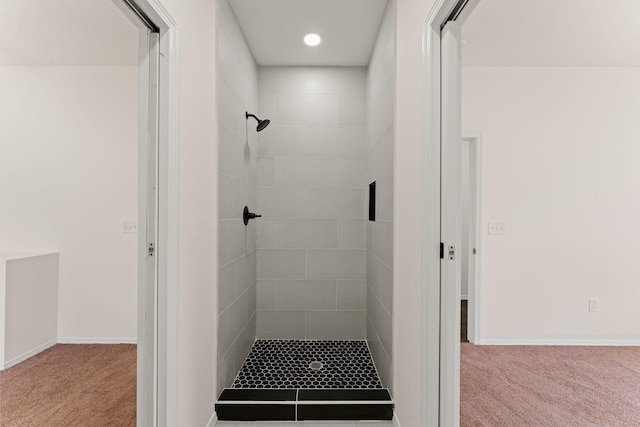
(305, 288)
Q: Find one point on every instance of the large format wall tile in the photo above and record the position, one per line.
(237, 178)
(312, 174)
(352, 172)
(352, 234)
(379, 168)
(307, 109)
(352, 110)
(351, 294)
(343, 141)
(306, 171)
(281, 264)
(231, 243)
(306, 233)
(336, 264)
(305, 295)
(265, 296)
(282, 140)
(280, 325)
(282, 202)
(342, 325)
(336, 203)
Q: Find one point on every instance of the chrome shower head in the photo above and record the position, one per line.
(261, 123)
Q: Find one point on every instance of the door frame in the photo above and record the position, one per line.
(475, 235)
(157, 296)
(437, 332)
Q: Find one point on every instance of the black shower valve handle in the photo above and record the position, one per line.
(246, 215)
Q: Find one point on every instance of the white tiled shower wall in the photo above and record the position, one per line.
(312, 194)
(237, 93)
(379, 139)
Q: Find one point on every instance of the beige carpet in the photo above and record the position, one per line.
(71, 385)
(519, 386)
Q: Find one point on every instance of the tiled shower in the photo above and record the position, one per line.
(312, 191)
(313, 269)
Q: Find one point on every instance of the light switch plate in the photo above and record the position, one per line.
(497, 228)
(129, 226)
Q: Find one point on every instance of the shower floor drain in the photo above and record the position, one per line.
(315, 366)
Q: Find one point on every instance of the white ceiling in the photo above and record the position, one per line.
(274, 30)
(498, 33)
(567, 33)
(66, 32)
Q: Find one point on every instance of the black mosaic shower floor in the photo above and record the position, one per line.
(294, 364)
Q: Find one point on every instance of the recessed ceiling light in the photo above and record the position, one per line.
(312, 39)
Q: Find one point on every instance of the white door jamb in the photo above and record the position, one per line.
(157, 295)
(475, 236)
(435, 390)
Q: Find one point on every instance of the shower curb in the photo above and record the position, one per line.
(304, 405)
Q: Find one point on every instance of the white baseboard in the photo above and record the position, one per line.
(561, 341)
(213, 420)
(98, 340)
(28, 354)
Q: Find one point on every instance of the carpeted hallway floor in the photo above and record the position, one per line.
(510, 386)
(71, 386)
(548, 386)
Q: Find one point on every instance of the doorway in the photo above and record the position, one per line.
(158, 212)
(442, 292)
(149, 322)
(470, 248)
(572, 291)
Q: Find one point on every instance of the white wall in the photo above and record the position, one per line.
(380, 146)
(312, 195)
(464, 216)
(237, 93)
(68, 174)
(28, 305)
(198, 211)
(561, 170)
(408, 212)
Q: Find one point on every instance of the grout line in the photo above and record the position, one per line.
(379, 301)
(306, 275)
(379, 260)
(274, 293)
(236, 259)
(236, 299)
(371, 354)
(245, 358)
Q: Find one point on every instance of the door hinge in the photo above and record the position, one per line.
(441, 250)
(150, 249)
